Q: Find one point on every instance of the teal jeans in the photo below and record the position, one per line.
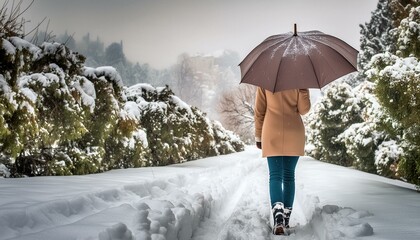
(282, 179)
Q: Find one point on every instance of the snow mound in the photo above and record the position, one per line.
(8, 47)
(117, 232)
(334, 222)
(108, 72)
(131, 111)
(4, 171)
(20, 44)
(137, 89)
(174, 219)
(87, 92)
(181, 104)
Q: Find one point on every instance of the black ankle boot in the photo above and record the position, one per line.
(278, 212)
(286, 216)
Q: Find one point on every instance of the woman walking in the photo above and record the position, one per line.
(280, 133)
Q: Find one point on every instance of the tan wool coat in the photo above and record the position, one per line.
(278, 124)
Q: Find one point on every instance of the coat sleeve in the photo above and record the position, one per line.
(304, 101)
(259, 112)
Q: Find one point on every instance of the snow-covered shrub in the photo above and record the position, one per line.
(103, 121)
(59, 117)
(226, 141)
(127, 145)
(408, 34)
(177, 132)
(387, 157)
(48, 117)
(398, 88)
(17, 105)
(156, 117)
(61, 57)
(360, 142)
(385, 139)
(397, 76)
(49, 109)
(330, 117)
(362, 139)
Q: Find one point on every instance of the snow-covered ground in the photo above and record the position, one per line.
(223, 197)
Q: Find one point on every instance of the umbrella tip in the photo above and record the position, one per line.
(295, 33)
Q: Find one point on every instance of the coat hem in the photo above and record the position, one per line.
(282, 154)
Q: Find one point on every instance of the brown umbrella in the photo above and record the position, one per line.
(298, 60)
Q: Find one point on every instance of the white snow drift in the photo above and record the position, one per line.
(224, 197)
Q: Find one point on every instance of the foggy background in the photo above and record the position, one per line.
(157, 31)
(193, 46)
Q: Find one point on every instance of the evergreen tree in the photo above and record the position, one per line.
(366, 141)
(375, 35)
(114, 54)
(93, 50)
(177, 132)
(382, 136)
(127, 145)
(331, 117)
(58, 117)
(397, 81)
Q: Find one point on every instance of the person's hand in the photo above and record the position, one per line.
(258, 145)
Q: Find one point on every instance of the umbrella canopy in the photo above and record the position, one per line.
(298, 60)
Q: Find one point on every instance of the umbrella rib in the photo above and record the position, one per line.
(340, 44)
(312, 64)
(261, 52)
(334, 51)
(337, 53)
(275, 41)
(313, 68)
(278, 70)
(332, 69)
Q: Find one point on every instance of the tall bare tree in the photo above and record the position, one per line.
(187, 86)
(236, 109)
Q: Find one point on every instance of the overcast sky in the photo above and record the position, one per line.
(157, 31)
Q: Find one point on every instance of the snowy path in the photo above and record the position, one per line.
(223, 197)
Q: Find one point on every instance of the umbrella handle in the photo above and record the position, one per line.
(295, 34)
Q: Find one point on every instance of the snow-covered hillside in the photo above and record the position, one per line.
(224, 197)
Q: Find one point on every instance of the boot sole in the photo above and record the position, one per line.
(278, 231)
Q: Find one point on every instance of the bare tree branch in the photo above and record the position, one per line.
(237, 111)
(11, 20)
